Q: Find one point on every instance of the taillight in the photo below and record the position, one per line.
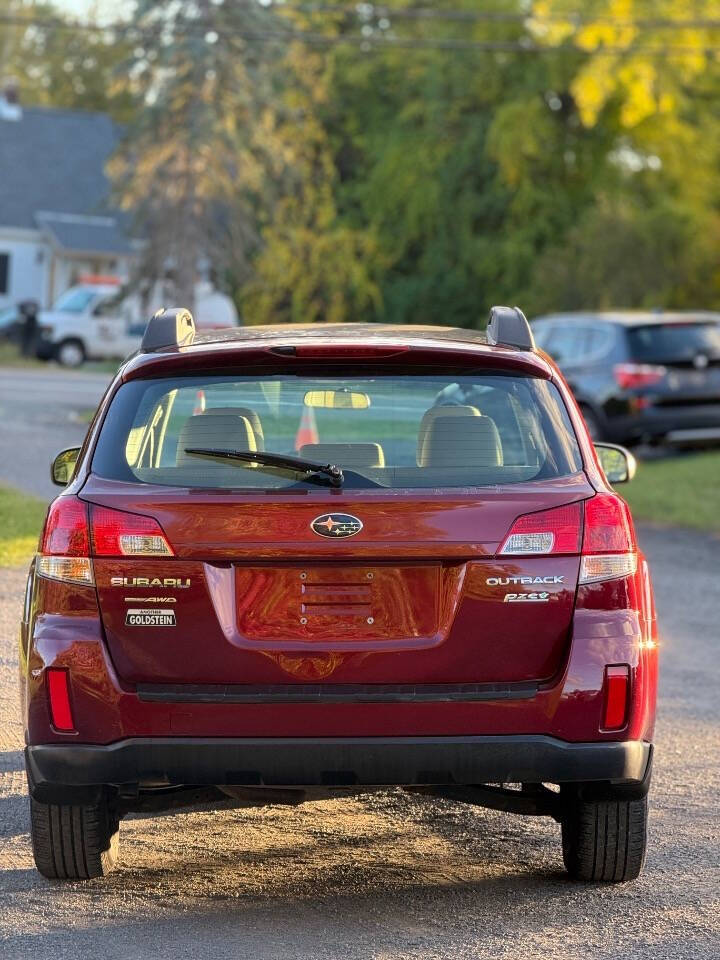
(66, 529)
(629, 376)
(609, 548)
(616, 687)
(69, 540)
(553, 531)
(116, 533)
(59, 698)
(347, 351)
(606, 538)
(65, 543)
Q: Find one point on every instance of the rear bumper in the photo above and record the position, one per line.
(696, 437)
(400, 761)
(660, 421)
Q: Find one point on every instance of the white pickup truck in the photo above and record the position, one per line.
(92, 321)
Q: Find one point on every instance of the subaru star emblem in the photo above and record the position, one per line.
(336, 525)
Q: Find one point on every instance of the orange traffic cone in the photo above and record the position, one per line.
(307, 431)
(199, 403)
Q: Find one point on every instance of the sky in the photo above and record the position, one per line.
(107, 9)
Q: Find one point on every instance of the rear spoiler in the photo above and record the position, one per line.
(508, 327)
(169, 327)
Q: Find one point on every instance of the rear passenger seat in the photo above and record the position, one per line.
(252, 415)
(429, 418)
(459, 442)
(219, 432)
(345, 454)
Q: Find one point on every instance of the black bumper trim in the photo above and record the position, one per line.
(335, 693)
(330, 761)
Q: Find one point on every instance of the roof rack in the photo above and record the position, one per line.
(169, 327)
(508, 327)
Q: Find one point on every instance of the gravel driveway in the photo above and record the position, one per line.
(389, 875)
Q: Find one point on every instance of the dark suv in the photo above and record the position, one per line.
(288, 562)
(640, 377)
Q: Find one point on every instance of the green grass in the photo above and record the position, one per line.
(10, 356)
(681, 491)
(98, 366)
(21, 518)
(84, 415)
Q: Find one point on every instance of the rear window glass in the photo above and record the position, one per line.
(674, 342)
(392, 431)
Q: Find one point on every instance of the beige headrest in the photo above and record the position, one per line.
(431, 415)
(462, 442)
(251, 415)
(345, 454)
(220, 432)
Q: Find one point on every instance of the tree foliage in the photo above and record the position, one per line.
(197, 154)
(417, 163)
(555, 179)
(67, 66)
(313, 265)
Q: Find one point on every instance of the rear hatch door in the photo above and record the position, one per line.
(690, 354)
(253, 595)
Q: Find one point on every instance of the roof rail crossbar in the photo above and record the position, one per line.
(169, 327)
(508, 326)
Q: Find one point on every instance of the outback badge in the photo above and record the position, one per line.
(336, 525)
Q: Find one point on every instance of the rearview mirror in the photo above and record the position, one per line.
(618, 464)
(63, 466)
(337, 399)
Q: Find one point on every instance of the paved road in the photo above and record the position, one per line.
(392, 876)
(37, 408)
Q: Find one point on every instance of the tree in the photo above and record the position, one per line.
(62, 62)
(567, 157)
(460, 166)
(312, 265)
(197, 155)
(493, 174)
(651, 74)
(628, 253)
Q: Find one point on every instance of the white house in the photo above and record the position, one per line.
(56, 223)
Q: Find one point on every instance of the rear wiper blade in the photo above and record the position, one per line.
(281, 460)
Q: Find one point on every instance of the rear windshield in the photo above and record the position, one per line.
(674, 342)
(392, 431)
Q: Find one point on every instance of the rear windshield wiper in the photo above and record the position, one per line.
(280, 460)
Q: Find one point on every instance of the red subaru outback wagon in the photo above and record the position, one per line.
(291, 562)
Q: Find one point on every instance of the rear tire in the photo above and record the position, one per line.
(605, 840)
(73, 842)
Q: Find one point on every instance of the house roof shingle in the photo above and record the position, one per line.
(54, 159)
(84, 234)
